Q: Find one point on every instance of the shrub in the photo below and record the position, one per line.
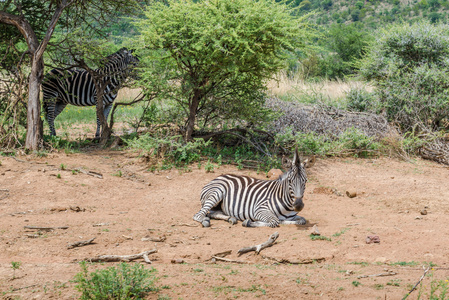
(359, 99)
(120, 283)
(170, 149)
(410, 64)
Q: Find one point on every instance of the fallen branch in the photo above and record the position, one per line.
(295, 262)
(80, 243)
(124, 258)
(90, 173)
(389, 273)
(45, 228)
(419, 281)
(260, 247)
(228, 260)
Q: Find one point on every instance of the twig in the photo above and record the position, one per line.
(260, 247)
(90, 173)
(80, 243)
(389, 273)
(125, 258)
(229, 260)
(419, 281)
(295, 262)
(185, 224)
(45, 228)
(398, 229)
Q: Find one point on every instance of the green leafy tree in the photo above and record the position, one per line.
(34, 21)
(215, 56)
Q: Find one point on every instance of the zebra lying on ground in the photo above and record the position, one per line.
(77, 87)
(256, 202)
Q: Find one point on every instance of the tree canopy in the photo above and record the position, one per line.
(215, 56)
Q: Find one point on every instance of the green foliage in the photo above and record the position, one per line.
(168, 150)
(360, 100)
(351, 140)
(15, 265)
(409, 65)
(220, 69)
(121, 282)
(319, 238)
(356, 283)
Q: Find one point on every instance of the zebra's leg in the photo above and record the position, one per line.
(263, 218)
(220, 215)
(295, 220)
(106, 110)
(210, 202)
(49, 107)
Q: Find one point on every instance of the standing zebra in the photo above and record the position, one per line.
(256, 202)
(77, 87)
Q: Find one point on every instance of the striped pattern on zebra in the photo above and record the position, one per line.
(256, 202)
(77, 87)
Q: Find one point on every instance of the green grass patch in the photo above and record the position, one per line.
(120, 282)
(319, 238)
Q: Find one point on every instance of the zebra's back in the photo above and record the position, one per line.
(74, 87)
(240, 195)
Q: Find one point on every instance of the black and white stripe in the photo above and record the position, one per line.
(254, 201)
(77, 87)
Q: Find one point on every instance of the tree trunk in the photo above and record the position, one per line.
(34, 122)
(193, 107)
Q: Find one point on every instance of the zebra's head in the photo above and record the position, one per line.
(296, 178)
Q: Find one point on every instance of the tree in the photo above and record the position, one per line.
(215, 56)
(410, 66)
(32, 18)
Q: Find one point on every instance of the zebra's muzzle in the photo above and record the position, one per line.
(298, 205)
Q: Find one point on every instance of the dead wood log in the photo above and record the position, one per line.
(80, 243)
(260, 247)
(45, 228)
(124, 258)
(295, 262)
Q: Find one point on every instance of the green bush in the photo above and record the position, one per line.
(409, 64)
(359, 99)
(120, 283)
(170, 150)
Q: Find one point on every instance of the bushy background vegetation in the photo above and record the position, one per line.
(210, 85)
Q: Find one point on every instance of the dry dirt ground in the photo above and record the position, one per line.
(140, 205)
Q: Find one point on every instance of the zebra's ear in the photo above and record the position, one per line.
(296, 160)
(286, 163)
(309, 162)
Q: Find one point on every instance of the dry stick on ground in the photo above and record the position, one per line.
(80, 243)
(90, 173)
(419, 281)
(229, 260)
(45, 228)
(389, 273)
(260, 247)
(295, 262)
(125, 258)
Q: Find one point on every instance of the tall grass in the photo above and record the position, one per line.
(328, 92)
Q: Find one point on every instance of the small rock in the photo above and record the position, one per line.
(418, 218)
(177, 261)
(349, 272)
(315, 231)
(372, 239)
(424, 212)
(351, 193)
